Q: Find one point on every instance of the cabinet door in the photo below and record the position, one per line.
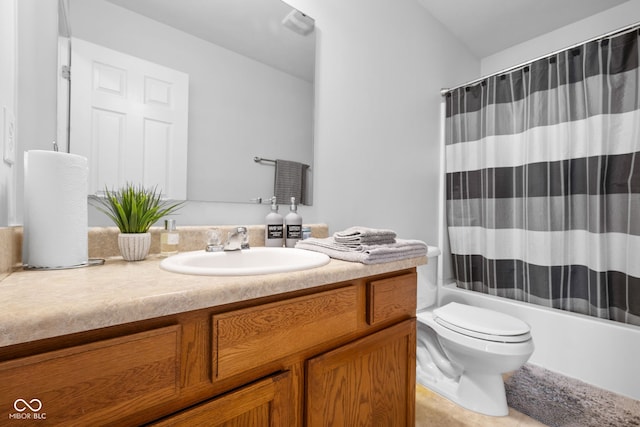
(369, 382)
(264, 403)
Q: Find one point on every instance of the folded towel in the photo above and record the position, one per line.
(366, 254)
(365, 236)
(290, 181)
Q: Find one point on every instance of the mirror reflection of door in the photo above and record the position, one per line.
(129, 117)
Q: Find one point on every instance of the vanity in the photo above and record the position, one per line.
(127, 343)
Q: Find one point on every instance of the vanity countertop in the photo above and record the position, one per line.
(43, 304)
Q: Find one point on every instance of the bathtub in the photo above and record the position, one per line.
(599, 352)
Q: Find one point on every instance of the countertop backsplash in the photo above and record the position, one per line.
(10, 250)
(103, 241)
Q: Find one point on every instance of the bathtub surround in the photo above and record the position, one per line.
(558, 401)
(542, 182)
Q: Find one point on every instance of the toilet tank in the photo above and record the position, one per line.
(428, 279)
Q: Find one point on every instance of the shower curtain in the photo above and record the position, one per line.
(543, 181)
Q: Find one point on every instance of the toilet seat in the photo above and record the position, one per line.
(481, 323)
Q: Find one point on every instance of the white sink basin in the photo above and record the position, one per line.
(257, 260)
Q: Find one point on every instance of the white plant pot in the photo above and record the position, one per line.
(134, 246)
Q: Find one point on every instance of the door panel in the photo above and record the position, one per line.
(129, 117)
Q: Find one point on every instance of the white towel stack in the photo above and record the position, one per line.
(365, 245)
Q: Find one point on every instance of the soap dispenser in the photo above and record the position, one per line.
(273, 227)
(169, 238)
(293, 225)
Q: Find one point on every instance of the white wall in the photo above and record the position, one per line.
(7, 101)
(627, 13)
(380, 67)
(36, 95)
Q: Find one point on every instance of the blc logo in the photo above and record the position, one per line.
(22, 405)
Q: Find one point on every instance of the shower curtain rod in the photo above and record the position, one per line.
(619, 31)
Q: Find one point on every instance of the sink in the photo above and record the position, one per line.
(257, 260)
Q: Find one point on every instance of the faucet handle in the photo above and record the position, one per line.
(214, 236)
(214, 240)
(242, 231)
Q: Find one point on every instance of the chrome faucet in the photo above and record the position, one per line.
(237, 239)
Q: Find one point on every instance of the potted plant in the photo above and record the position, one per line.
(134, 209)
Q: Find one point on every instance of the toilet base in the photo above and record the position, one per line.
(467, 370)
(482, 393)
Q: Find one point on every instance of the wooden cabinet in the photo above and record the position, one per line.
(369, 382)
(336, 355)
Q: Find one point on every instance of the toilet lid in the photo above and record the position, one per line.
(481, 323)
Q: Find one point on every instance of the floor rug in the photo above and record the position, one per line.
(559, 401)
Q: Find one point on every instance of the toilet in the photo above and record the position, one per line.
(462, 350)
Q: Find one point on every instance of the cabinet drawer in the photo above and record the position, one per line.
(247, 338)
(94, 383)
(391, 298)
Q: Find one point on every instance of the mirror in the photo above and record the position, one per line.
(251, 82)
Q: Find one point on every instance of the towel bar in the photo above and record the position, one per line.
(260, 159)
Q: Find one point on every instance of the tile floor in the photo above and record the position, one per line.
(434, 410)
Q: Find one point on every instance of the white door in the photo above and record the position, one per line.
(129, 117)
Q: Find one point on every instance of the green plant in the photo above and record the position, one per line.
(134, 209)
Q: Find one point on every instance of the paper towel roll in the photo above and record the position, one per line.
(55, 209)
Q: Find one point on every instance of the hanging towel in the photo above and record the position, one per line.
(366, 254)
(365, 236)
(291, 181)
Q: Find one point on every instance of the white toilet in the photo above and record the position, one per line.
(462, 351)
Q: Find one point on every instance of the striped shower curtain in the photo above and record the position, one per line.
(543, 181)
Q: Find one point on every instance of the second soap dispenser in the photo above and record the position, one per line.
(273, 227)
(293, 225)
